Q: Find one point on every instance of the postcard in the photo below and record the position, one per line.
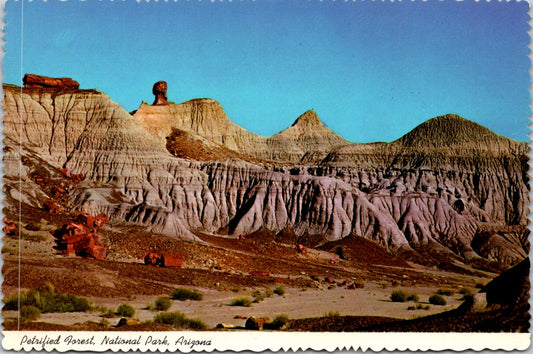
(192, 175)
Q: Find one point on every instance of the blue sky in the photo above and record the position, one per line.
(371, 70)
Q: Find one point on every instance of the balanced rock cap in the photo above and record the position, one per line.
(39, 81)
(160, 92)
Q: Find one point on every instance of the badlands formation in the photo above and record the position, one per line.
(449, 189)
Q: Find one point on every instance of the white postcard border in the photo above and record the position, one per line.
(258, 341)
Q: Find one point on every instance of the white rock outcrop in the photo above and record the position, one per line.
(407, 194)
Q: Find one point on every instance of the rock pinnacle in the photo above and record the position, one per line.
(160, 92)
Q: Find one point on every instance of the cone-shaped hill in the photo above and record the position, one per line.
(439, 140)
(449, 130)
(309, 125)
(306, 138)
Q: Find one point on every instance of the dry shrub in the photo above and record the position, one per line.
(183, 294)
(125, 310)
(437, 299)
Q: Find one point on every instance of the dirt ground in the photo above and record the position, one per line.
(214, 307)
(228, 273)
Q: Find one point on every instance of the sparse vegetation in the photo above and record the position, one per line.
(332, 314)
(29, 313)
(422, 307)
(125, 310)
(445, 292)
(195, 323)
(48, 301)
(30, 235)
(418, 307)
(258, 296)
(108, 313)
(402, 296)
(183, 294)
(412, 297)
(242, 301)
(279, 321)
(179, 320)
(162, 303)
(399, 296)
(437, 299)
(280, 290)
(269, 292)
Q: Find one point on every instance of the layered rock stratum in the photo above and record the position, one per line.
(449, 188)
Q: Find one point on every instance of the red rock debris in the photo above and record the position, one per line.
(329, 280)
(80, 237)
(301, 249)
(344, 283)
(58, 192)
(163, 259)
(51, 207)
(257, 273)
(34, 176)
(75, 178)
(10, 228)
(92, 221)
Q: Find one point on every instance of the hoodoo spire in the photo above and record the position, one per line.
(160, 92)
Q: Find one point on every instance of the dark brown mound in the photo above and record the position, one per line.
(511, 287)
(507, 319)
(186, 145)
(360, 250)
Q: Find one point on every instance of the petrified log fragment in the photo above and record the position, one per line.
(70, 229)
(163, 259)
(38, 81)
(172, 260)
(152, 258)
(92, 221)
(80, 237)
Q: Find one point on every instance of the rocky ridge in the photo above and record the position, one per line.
(465, 197)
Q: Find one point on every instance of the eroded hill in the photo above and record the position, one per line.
(449, 190)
